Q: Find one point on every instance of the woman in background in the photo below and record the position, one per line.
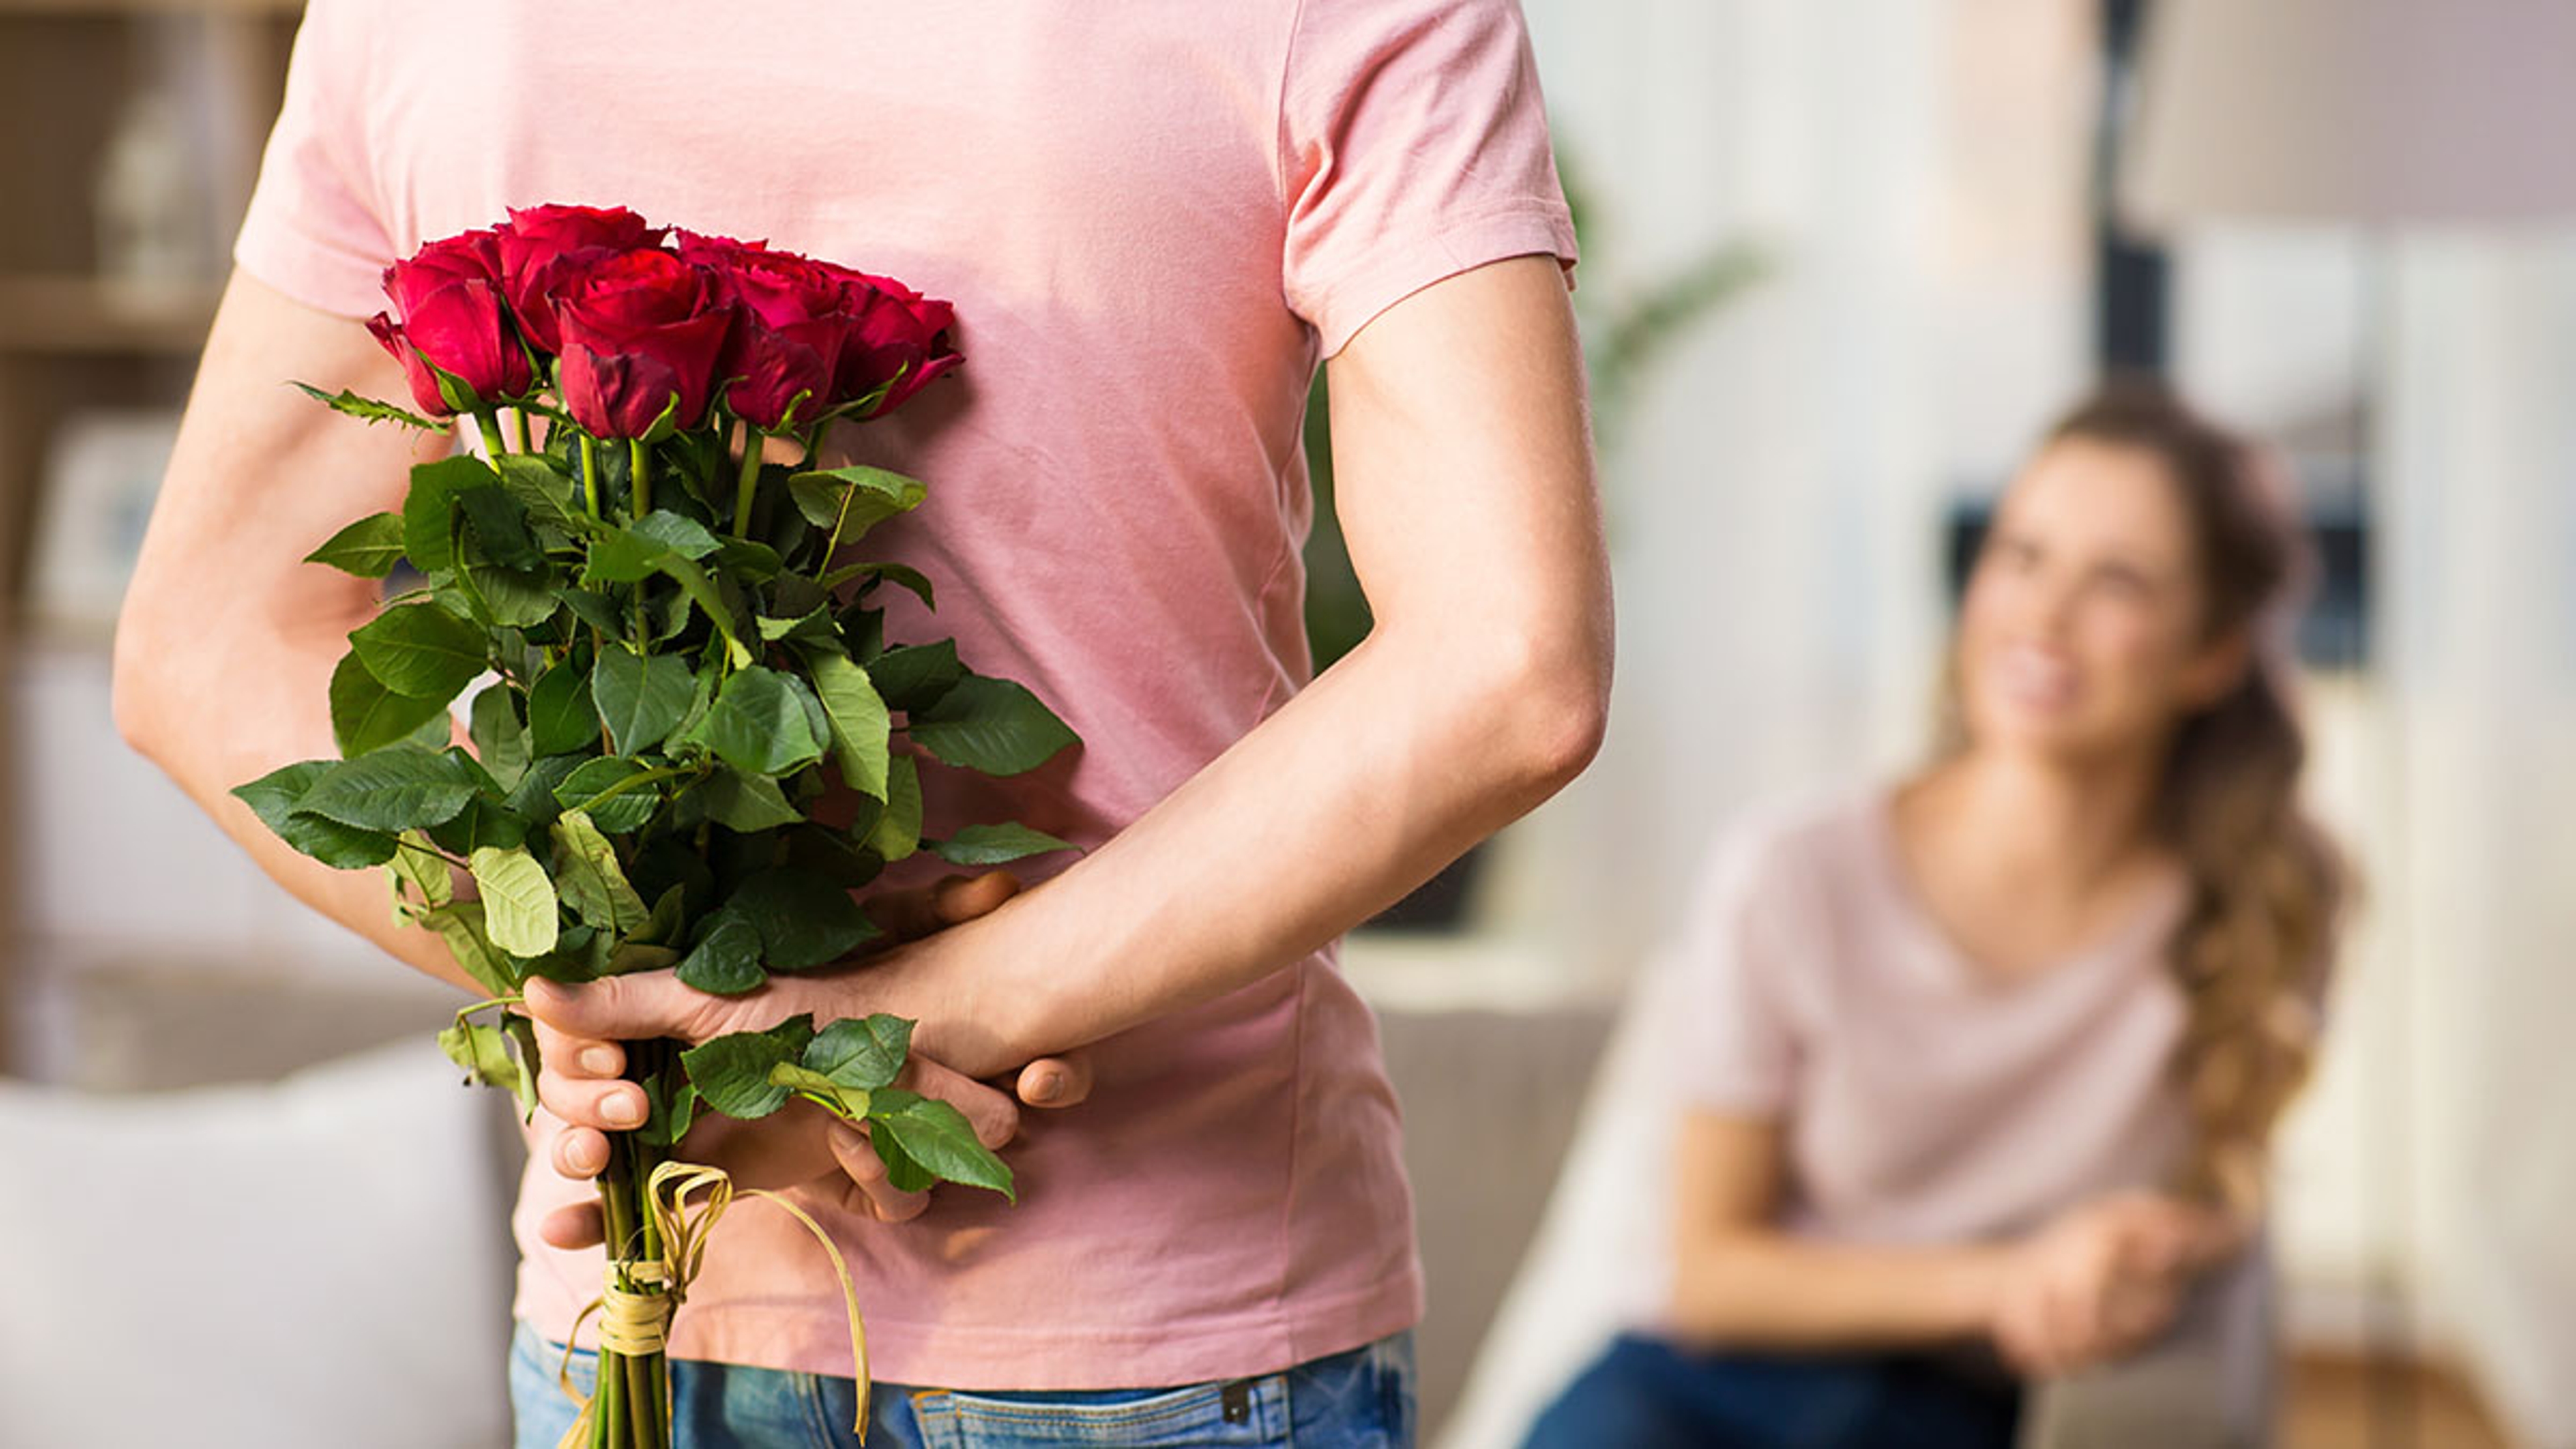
(1979, 1070)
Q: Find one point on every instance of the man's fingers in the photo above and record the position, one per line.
(1056, 1082)
(580, 1153)
(573, 1226)
(613, 1105)
(867, 1172)
(995, 1118)
(578, 1056)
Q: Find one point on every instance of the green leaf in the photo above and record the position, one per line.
(518, 900)
(902, 1173)
(804, 917)
(368, 548)
(460, 926)
(484, 1052)
(533, 799)
(429, 509)
(758, 725)
(938, 1137)
(675, 533)
(903, 575)
(862, 1052)
(849, 1105)
(991, 725)
(913, 679)
(897, 830)
(850, 501)
(500, 741)
(618, 556)
(670, 1108)
(367, 716)
(483, 822)
(542, 486)
(273, 796)
(596, 610)
(995, 844)
(421, 650)
(701, 590)
(731, 1073)
(561, 717)
(589, 878)
(860, 724)
(601, 787)
(423, 870)
(639, 696)
(515, 598)
(726, 960)
(391, 789)
(367, 408)
(746, 803)
(751, 562)
(500, 524)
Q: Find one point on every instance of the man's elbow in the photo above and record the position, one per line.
(1555, 699)
(136, 687)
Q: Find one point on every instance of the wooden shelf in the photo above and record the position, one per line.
(115, 9)
(95, 315)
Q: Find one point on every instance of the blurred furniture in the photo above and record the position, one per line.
(130, 132)
(289, 1264)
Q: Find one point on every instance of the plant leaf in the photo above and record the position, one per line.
(639, 696)
(589, 878)
(731, 1073)
(542, 486)
(860, 724)
(392, 790)
(726, 960)
(850, 501)
(893, 573)
(897, 830)
(992, 725)
(995, 844)
(862, 1052)
(518, 900)
(367, 716)
(423, 870)
(273, 796)
(484, 1052)
(367, 408)
(500, 524)
(421, 650)
(460, 926)
(368, 548)
(758, 725)
(804, 917)
(600, 788)
(746, 803)
(500, 741)
(938, 1137)
(675, 533)
(429, 509)
(561, 717)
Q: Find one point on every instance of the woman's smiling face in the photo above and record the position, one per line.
(2083, 633)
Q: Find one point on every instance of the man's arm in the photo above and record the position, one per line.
(227, 641)
(1464, 475)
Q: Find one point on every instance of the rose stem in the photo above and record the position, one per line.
(489, 422)
(519, 416)
(590, 473)
(640, 458)
(753, 440)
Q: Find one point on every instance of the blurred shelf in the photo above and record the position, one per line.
(112, 9)
(69, 313)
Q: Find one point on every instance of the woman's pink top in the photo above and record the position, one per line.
(1154, 217)
(1920, 1102)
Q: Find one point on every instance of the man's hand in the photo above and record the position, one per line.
(578, 1030)
(2102, 1280)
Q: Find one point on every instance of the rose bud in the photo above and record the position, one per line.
(641, 332)
(898, 337)
(453, 321)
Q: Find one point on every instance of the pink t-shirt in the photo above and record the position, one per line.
(1920, 1102)
(1154, 217)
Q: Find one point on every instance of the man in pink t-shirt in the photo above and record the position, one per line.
(1155, 219)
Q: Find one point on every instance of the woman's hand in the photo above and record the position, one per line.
(2102, 1280)
(580, 1081)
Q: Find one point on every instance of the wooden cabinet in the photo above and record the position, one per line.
(130, 135)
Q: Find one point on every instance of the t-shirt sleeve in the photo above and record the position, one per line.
(315, 228)
(1731, 1035)
(1414, 146)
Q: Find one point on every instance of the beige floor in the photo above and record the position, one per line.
(2349, 1403)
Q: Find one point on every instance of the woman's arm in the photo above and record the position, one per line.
(1739, 1282)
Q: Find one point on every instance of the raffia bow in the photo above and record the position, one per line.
(640, 1295)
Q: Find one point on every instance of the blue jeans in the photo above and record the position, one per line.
(1362, 1399)
(1647, 1394)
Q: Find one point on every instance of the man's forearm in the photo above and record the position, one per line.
(1399, 758)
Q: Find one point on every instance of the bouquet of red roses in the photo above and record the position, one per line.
(674, 664)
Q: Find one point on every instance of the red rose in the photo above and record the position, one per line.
(541, 246)
(641, 331)
(453, 320)
(792, 333)
(898, 337)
